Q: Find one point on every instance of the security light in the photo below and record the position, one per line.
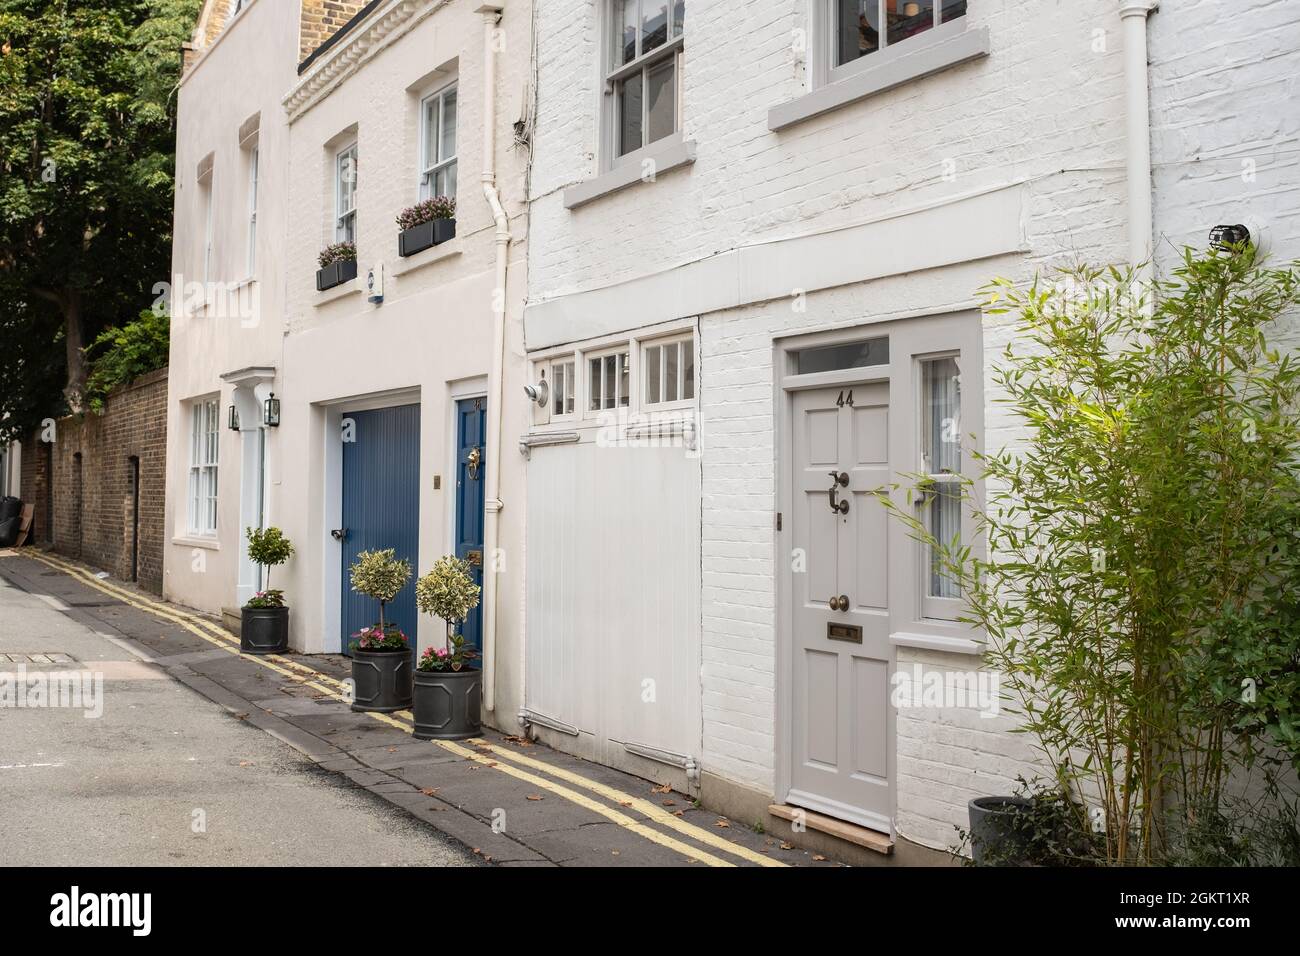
(538, 393)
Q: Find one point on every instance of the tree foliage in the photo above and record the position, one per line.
(120, 354)
(86, 156)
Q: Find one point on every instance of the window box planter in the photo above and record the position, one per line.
(336, 273)
(447, 704)
(382, 680)
(994, 831)
(425, 235)
(263, 630)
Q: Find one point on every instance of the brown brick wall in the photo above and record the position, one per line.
(320, 20)
(91, 460)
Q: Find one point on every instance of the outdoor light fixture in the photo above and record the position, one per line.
(1224, 238)
(234, 419)
(271, 412)
(538, 393)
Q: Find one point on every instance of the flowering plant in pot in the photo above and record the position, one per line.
(381, 654)
(426, 224)
(264, 619)
(448, 686)
(338, 264)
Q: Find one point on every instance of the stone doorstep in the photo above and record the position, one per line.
(861, 836)
(230, 620)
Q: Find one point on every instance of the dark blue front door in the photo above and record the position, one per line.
(471, 421)
(381, 507)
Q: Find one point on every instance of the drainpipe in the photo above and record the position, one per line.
(1133, 19)
(492, 492)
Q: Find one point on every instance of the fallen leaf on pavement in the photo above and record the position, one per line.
(818, 857)
(429, 791)
(723, 824)
(533, 796)
(392, 750)
(666, 788)
(670, 803)
(787, 846)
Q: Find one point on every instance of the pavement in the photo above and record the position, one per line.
(203, 755)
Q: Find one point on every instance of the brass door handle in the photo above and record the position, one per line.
(840, 603)
(839, 479)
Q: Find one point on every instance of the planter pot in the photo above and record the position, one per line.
(263, 630)
(424, 236)
(447, 704)
(993, 831)
(336, 273)
(382, 680)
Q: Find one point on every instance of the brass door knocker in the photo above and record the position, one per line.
(472, 461)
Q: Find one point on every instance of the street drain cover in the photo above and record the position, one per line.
(36, 657)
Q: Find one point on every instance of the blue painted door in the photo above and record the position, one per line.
(471, 439)
(381, 508)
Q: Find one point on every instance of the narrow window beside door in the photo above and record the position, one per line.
(941, 452)
(204, 435)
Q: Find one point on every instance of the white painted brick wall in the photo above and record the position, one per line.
(1045, 108)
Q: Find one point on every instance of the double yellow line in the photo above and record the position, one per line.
(483, 752)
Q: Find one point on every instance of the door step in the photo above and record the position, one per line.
(230, 619)
(871, 839)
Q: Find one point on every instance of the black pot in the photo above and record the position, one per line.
(263, 630)
(425, 235)
(993, 830)
(336, 273)
(447, 704)
(382, 680)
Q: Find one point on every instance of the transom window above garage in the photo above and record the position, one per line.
(834, 358)
(609, 381)
(668, 371)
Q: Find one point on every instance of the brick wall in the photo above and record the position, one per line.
(92, 480)
(320, 20)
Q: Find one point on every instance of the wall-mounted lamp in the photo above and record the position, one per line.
(538, 393)
(1224, 238)
(271, 412)
(234, 419)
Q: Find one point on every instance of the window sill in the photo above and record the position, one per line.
(342, 290)
(917, 58)
(936, 642)
(670, 154)
(196, 541)
(438, 253)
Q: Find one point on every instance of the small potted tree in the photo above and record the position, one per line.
(426, 224)
(447, 684)
(381, 655)
(264, 620)
(338, 264)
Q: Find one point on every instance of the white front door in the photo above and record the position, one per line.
(842, 730)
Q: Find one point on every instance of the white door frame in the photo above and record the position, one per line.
(331, 438)
(942, 331)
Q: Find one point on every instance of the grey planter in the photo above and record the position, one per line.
(447, 704)
(382, 680)
(993, 830)
(425, 235)
(263, 630)
(336, 273)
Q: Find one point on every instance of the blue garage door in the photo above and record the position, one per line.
(381, 508)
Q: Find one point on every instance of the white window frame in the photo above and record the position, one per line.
(616, 73)
(625, 348)
(684, 401)
(428, 169)
(254, 159)
(827, 14)
(205, 442)
(345, 218)
(934, 607)
(565, 366)
(205, 192)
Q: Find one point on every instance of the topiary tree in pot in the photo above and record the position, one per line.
(381, 653)
(447, 684)
(264, 620)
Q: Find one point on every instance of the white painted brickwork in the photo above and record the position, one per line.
(1044, 109)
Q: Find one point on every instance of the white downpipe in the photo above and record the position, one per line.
(1133, 19)
(492, 492)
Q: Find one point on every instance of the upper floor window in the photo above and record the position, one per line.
(608, 381)
(438, 144)
(205, 197)
(862, 27)
(345, 192)
(644, 76)
(253, 158)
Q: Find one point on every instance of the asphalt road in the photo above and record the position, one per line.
(166, 777)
